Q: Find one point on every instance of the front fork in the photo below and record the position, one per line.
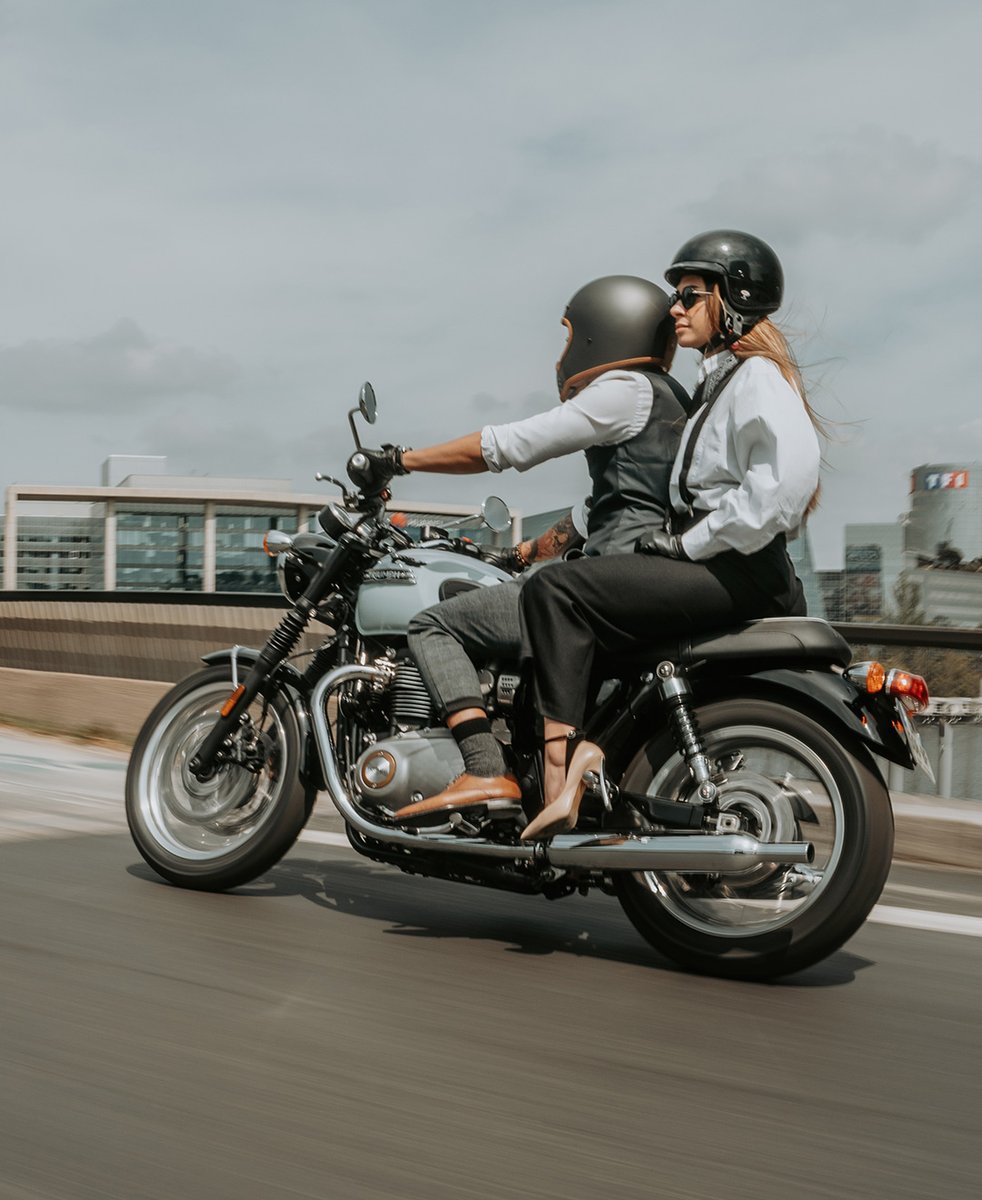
(279, 644)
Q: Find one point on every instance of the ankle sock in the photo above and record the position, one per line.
(479, 748)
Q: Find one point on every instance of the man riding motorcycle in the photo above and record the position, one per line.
(620, 406)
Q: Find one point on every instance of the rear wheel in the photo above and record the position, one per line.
(784, 778)
(224, 831)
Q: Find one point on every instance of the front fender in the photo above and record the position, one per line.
(245, 657)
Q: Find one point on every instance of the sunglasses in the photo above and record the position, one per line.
(688, 297)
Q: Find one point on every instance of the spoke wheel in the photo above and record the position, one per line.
(782, 777)
(220, 832)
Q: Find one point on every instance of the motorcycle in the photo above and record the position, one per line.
(740, 818)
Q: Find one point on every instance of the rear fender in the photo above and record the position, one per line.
(829, 698)
(837, 703)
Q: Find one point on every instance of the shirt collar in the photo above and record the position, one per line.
(708, 365)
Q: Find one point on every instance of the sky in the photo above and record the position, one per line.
(220, 216)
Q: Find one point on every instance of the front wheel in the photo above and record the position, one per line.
(224, 831)
(784, 778)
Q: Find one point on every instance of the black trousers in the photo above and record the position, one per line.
(578, 611)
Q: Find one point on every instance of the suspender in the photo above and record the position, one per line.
(706, 393)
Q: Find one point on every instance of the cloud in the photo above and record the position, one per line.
(107, 372)
(875, 185)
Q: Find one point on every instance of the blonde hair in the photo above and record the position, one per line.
(765, 340)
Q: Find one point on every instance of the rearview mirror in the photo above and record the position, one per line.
(367, 403)
(496, 514)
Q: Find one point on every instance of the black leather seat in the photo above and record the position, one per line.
(771, 639)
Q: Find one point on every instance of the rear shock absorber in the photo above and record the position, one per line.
(676, 694)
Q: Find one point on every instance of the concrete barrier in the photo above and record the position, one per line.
(129, 640)
(89, 707)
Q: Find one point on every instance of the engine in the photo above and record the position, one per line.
(420, 757)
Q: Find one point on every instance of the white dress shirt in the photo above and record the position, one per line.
(610, 409)
(754, 466)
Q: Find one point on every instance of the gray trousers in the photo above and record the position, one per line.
(453, 639)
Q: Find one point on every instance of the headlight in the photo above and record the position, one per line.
(291, 576)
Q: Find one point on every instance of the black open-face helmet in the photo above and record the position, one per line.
(747, 270)
(616, 321)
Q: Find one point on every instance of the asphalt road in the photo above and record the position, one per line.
(339, 1030)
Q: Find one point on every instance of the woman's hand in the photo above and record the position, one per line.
(660, 541)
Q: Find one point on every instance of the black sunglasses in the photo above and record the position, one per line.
(688, 297)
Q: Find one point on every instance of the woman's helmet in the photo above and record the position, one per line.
(747, 270)
(616, 321)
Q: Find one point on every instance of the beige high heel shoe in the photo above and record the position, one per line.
(561, 815)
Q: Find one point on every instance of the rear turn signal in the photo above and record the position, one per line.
(911, 689)
(868, 675)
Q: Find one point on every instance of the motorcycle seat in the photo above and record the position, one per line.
(770, 639)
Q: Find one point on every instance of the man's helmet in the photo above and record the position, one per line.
(747, 270)
(616, 321)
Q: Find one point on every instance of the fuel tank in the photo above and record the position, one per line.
(394, 590)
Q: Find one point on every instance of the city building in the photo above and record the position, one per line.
(144, 530)
(945, 510)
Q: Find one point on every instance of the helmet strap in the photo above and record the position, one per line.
(734, 325)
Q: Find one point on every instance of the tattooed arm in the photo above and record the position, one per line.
(553, 543)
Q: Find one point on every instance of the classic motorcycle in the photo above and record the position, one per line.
(740, 818)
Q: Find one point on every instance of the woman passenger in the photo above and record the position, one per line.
(745, 476)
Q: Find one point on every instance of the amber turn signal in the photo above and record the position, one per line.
(231, 702)
(869, 675)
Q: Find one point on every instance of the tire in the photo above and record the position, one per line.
(796, 781)
(232, 828)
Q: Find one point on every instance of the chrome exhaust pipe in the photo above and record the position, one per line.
(696, 852)
(726, 853)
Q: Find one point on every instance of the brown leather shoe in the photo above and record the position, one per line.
(466, 790)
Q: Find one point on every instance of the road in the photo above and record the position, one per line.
(339, 1030)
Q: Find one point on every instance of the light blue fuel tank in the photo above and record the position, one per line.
(395, 590)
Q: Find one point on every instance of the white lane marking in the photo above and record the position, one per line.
(910, 890)
(324, 839)
(933, 922)
(968, 815)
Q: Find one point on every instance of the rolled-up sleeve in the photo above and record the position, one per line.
(611, 409)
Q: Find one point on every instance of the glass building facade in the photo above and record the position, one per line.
(106, 539)
(160, 549)
(240, 564)
(59, 553)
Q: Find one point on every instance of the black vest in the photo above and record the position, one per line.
(630, 480)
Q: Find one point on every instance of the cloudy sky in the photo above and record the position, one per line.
(220, 216)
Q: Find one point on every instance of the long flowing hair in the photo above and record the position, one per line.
(765, 340)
